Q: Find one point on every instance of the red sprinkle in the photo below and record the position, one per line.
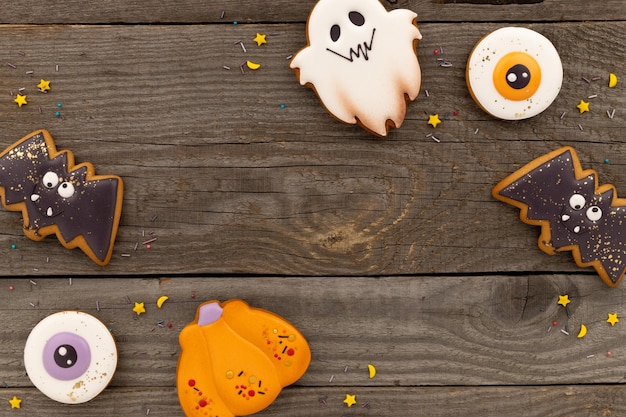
(436, 51)
(554, 323)
(11, 287)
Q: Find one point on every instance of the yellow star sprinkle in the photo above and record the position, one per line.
(43, 85)
(15, 402)
(583, 106)
(139, 308)
(260, 39)
(20, 100)
(433, 120)
(563, 300)
(350, 400)
(612, 319)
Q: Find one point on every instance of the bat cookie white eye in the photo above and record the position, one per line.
(50, 180)
(66, 189)
(594, 213)
(577, 201)
(70, 356)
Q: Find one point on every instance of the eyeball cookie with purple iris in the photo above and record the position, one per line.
(514, 73)
(70, 356)
(361, 61)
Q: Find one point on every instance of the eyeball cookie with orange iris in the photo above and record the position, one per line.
(235, 360)
(70, 356)
(514, 73)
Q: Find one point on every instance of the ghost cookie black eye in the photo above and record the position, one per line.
(335, 33)
(356, 18)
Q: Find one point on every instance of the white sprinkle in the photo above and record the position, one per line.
(70, 281)
(590, 356)
(435, 138)
(427, 93)
(243, 47)
(612, 113)
(564, 332)
(97, 305)
(125, 255)
(33, 282)
(29, 72)
(331, 378)
(563, 115)
(289, 57)
(476, 131)
(345, 369)
(593, 96)
(580, 126)
(226, 67)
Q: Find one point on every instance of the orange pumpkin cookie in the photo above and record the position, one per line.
(236, 359)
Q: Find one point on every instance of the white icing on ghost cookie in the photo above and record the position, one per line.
(361, 61)
(70, 356)
(514, 73)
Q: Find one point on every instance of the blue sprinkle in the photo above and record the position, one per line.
(235, 22)
(282, 106)
(606, 160)
(57, 114)
(14, 246)
(59, 105)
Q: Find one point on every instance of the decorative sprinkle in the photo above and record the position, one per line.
(15, 402)
(331, 378)
(20, 100)
(564, 300)
(44, 85)
(580, 127)
(593, 96)
(252, 65)
(606, 160)
(97, 305)
(563, 115)
(585, 80)
(288, 57)
(476, 131)
(222, 14)
(350, 400)
(32, 282)
(29, 72)
(612, 319)
(149, 241)
(11, 65)
(583, 106)
(427, 93)
(591, 356)
(139, 308)
(433, 120)
(565, 332)
(260, 39)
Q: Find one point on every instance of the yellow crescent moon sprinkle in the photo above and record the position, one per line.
(582, 332)
(612, 80)
(371, 370)
(162, 299)
(252, 65)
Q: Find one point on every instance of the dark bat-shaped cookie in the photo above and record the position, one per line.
(57, 197)
(574, 212)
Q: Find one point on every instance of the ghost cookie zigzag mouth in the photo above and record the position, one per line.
(363, 48)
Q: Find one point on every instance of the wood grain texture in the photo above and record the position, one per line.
(255, 11)
(438, 343)
(384, 251)
(239, 185)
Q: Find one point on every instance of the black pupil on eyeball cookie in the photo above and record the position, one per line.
(65, 356)
(335, 32)
(518, 76)
(356, 18)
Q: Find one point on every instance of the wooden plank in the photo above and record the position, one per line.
(250, 11)
(240, 185)
(571, 401)
(417, 331)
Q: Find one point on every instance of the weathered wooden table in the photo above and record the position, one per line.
(383, 251)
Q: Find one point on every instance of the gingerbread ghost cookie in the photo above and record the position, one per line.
(361, 61)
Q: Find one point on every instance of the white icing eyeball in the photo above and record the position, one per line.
(514, 73)
(361, 61)
(70, 356)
